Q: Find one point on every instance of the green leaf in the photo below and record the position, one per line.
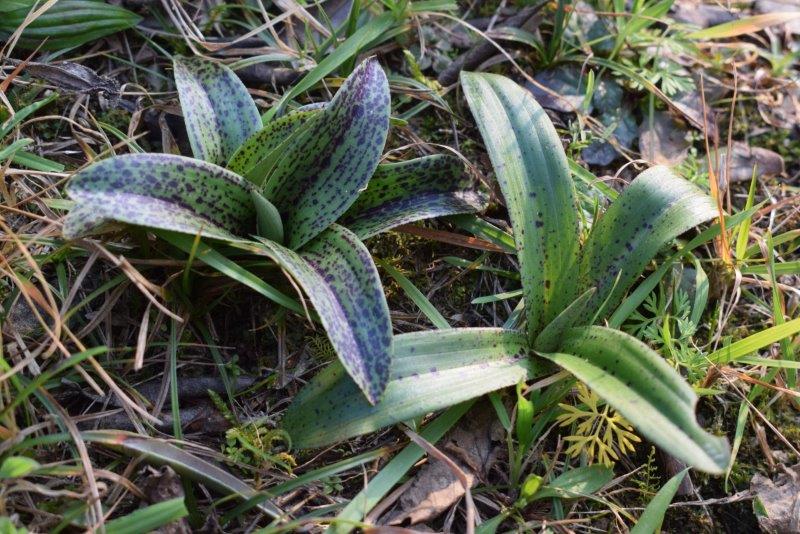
(322, 172)
(148, 518)
(203, 252)
(17, 467)
(337, 273)
(217, 109)
(268, 219)
(754, 342)
(533, 174)
(161, 191)
(24, 113)
(430, 370)
(259, 153)
(67, 23)
(639, 384)
(159, 452)
(652, 517)
(578, 482)
(553, 333)
(370, 31)
(422, 188)
(394, 471)
(743, 26)
(416, 296)
(653, 210)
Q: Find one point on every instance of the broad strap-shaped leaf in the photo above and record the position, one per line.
(653, 210)
(422, 188)
(534, 176)
(160, 191)
(263, 144)
(217, 109)
(337, 273)
(431, 370)
(323, 170)
(645, 389)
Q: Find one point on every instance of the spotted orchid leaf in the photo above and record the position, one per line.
(422, 188)
(653, 210)
(533, 174)
(645, 389)
(259, 153)
(219, 112)
(337, 273)
(430, 371)
(164, 192)
(323, 170)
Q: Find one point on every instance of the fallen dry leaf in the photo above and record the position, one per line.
(745, 157)
(665, 142)
(473, 446)
(780, 498)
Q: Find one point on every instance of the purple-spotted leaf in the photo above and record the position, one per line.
(258, 155)
(219, 112)
(654, 209)
(161, 191)
(645, 389)
(337, 273)
(533, 174)
(430, 371)
(422, 188)
(323, 170)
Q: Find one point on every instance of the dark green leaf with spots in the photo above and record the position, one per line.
(337, 273)
(324, 169)
(422, 188)
(258, 155)
(645, 389)
(653, 210)
(219, 112)
(161, 191)
(430, 371)
(533, 174)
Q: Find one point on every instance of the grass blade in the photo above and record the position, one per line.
(160, 452)
(652, 517)
(149, 518)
